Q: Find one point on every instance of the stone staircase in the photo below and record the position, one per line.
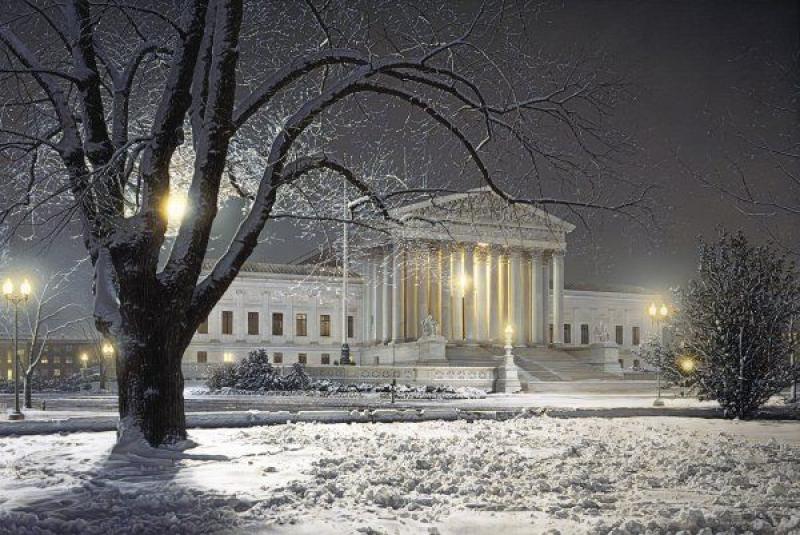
(536, 364)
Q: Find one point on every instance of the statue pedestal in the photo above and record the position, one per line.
(507, 377)
(432, 350)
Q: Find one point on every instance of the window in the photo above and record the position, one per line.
(45, 360)
(636, 364)
(227, 322)
(277, 358)
(550, 333)
(325, 325)
(584, 333)
(227, 357)
(202, 357)
(619, 335)
(301, 325)
(203, 327)
(56, 360)
(302, 358)
(10, 374)
(567, 333)
(252, 323)
(325, 359)
(277, 324)
(56, 372)
(621, 363)
(350, 326)
(67, 360)
(635, 336)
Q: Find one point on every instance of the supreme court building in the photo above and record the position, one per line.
(441, 290)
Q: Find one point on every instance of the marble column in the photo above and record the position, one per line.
(386, 303)
(411, 295)
(469, 293)
(481, 283)
(502, 298)
(516, 298)
(398, 297)
(546, 301)
(558, 297)
(423, 289)
(375, 293)
(537, 299)
(444, 294)
(492, 293)
(457, 270)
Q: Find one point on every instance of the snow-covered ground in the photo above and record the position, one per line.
(532, 475)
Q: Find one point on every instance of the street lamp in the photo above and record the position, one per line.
(509, 332)
(348, 217)
(657, 315)
(16, 296)
(686, 364)
(107, 351)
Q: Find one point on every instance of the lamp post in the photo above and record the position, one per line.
(509, 332)
(108, 353)
(16, 296)
(85, 362)
(348, 217)
(657, 315)
(686, 364)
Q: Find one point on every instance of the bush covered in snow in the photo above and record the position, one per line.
(666, 356)
(736, 318)
(67, 383)
(255, 373)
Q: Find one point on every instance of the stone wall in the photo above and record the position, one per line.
(476, 377)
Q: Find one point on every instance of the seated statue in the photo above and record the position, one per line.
(430, 327)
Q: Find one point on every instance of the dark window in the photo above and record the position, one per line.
(277, 358)
(550, 333)
(584, 333)
(326, 358)
(567, 333)
(350, 328)
(636, 364)
(252, 323)
(635, 336)
(227, 322)
(324, 325)
(620, 335)
(277, 324)
(301, 325)
(202, 357)
(302, 358)
(621, 363)
(203, 327)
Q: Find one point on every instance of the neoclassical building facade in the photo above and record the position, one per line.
(461, 268)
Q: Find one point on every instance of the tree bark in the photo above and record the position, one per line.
(151, 387)
(27, 388)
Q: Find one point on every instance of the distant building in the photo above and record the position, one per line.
(61, 356)
(471, 275)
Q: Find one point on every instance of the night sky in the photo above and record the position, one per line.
(699, 70)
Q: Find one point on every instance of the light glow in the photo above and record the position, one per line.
(25, 288)
(653, 310)
(8, 288)
(175, 208)
(664, 311)
(108, 350)
(227, 357)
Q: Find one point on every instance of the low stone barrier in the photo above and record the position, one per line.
(475, 377)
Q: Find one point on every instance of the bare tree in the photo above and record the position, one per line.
(109, 106)
(51, 312)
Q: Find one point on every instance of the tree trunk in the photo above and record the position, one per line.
(151, 387)
(27, 387)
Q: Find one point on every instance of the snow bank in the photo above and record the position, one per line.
(525, 475)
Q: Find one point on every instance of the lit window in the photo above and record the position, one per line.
(301, 325)
(227, 322)
(584, 333)
(56, 372)
(252, 323)
(277, 324)
(325, 325)
(227, 357)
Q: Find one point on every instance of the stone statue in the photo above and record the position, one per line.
(430, 327)
(601, 333)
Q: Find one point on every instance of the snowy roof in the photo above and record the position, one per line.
(286, 269)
